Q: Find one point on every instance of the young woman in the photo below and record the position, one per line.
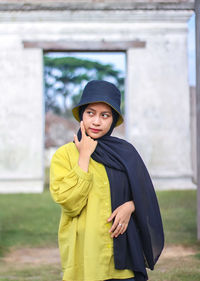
(110, 227)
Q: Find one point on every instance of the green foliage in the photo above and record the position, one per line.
(65, 78)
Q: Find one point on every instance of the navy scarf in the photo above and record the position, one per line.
(141, 244)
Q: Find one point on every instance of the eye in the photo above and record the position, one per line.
(90, 113)
(105, 115)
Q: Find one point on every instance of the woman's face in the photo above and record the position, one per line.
(97, 119)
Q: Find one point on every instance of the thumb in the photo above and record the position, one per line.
(76, 140)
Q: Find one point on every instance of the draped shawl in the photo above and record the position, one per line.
(140, 246)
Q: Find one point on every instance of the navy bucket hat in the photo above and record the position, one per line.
(100, 91)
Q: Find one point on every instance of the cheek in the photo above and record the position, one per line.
(86, 122)
(111, 121)
(85, 119)
(109, 124)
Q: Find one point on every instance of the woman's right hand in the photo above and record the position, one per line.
(87, 145)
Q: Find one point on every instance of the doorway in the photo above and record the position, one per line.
(65, 76)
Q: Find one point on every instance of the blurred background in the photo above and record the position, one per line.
(65, 76)
(49, 51)
(67, 73)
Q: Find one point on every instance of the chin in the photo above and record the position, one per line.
(95, 136)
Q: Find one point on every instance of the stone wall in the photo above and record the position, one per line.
(157, 90)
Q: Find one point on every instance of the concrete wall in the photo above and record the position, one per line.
(157, 97)
(21, 117)
(159, 104)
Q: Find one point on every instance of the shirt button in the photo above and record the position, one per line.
(105, 182)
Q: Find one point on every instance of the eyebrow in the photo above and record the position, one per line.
(108, 111)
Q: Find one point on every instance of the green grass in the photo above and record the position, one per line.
(31, 220)
(178, 209)
(176, 269)
(28, 220)
(31, 273)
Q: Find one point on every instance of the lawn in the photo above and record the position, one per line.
(28, 220)
(31, 220)
(178, 209)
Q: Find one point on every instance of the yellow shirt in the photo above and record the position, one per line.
(86, 247)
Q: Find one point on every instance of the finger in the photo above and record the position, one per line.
(116, 234)
(120, 232)
(124, 229)
(112, 215)
(76, 140)
(117, 231)
(82, 129)
(115, 224)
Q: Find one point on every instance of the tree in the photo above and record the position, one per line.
(65, 78)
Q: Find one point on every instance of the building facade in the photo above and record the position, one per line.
(154, 36)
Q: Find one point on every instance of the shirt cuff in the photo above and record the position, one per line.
(82, 174)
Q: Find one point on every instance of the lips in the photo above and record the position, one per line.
(95, 130)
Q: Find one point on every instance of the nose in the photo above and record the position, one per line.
(96, 120)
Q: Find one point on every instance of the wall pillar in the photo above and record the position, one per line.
(158, 106)
(21, 118)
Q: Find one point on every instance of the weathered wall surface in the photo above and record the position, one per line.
(159, 99)
(21, 117)
(157, 96)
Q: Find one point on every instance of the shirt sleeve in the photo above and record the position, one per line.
(69, 187)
